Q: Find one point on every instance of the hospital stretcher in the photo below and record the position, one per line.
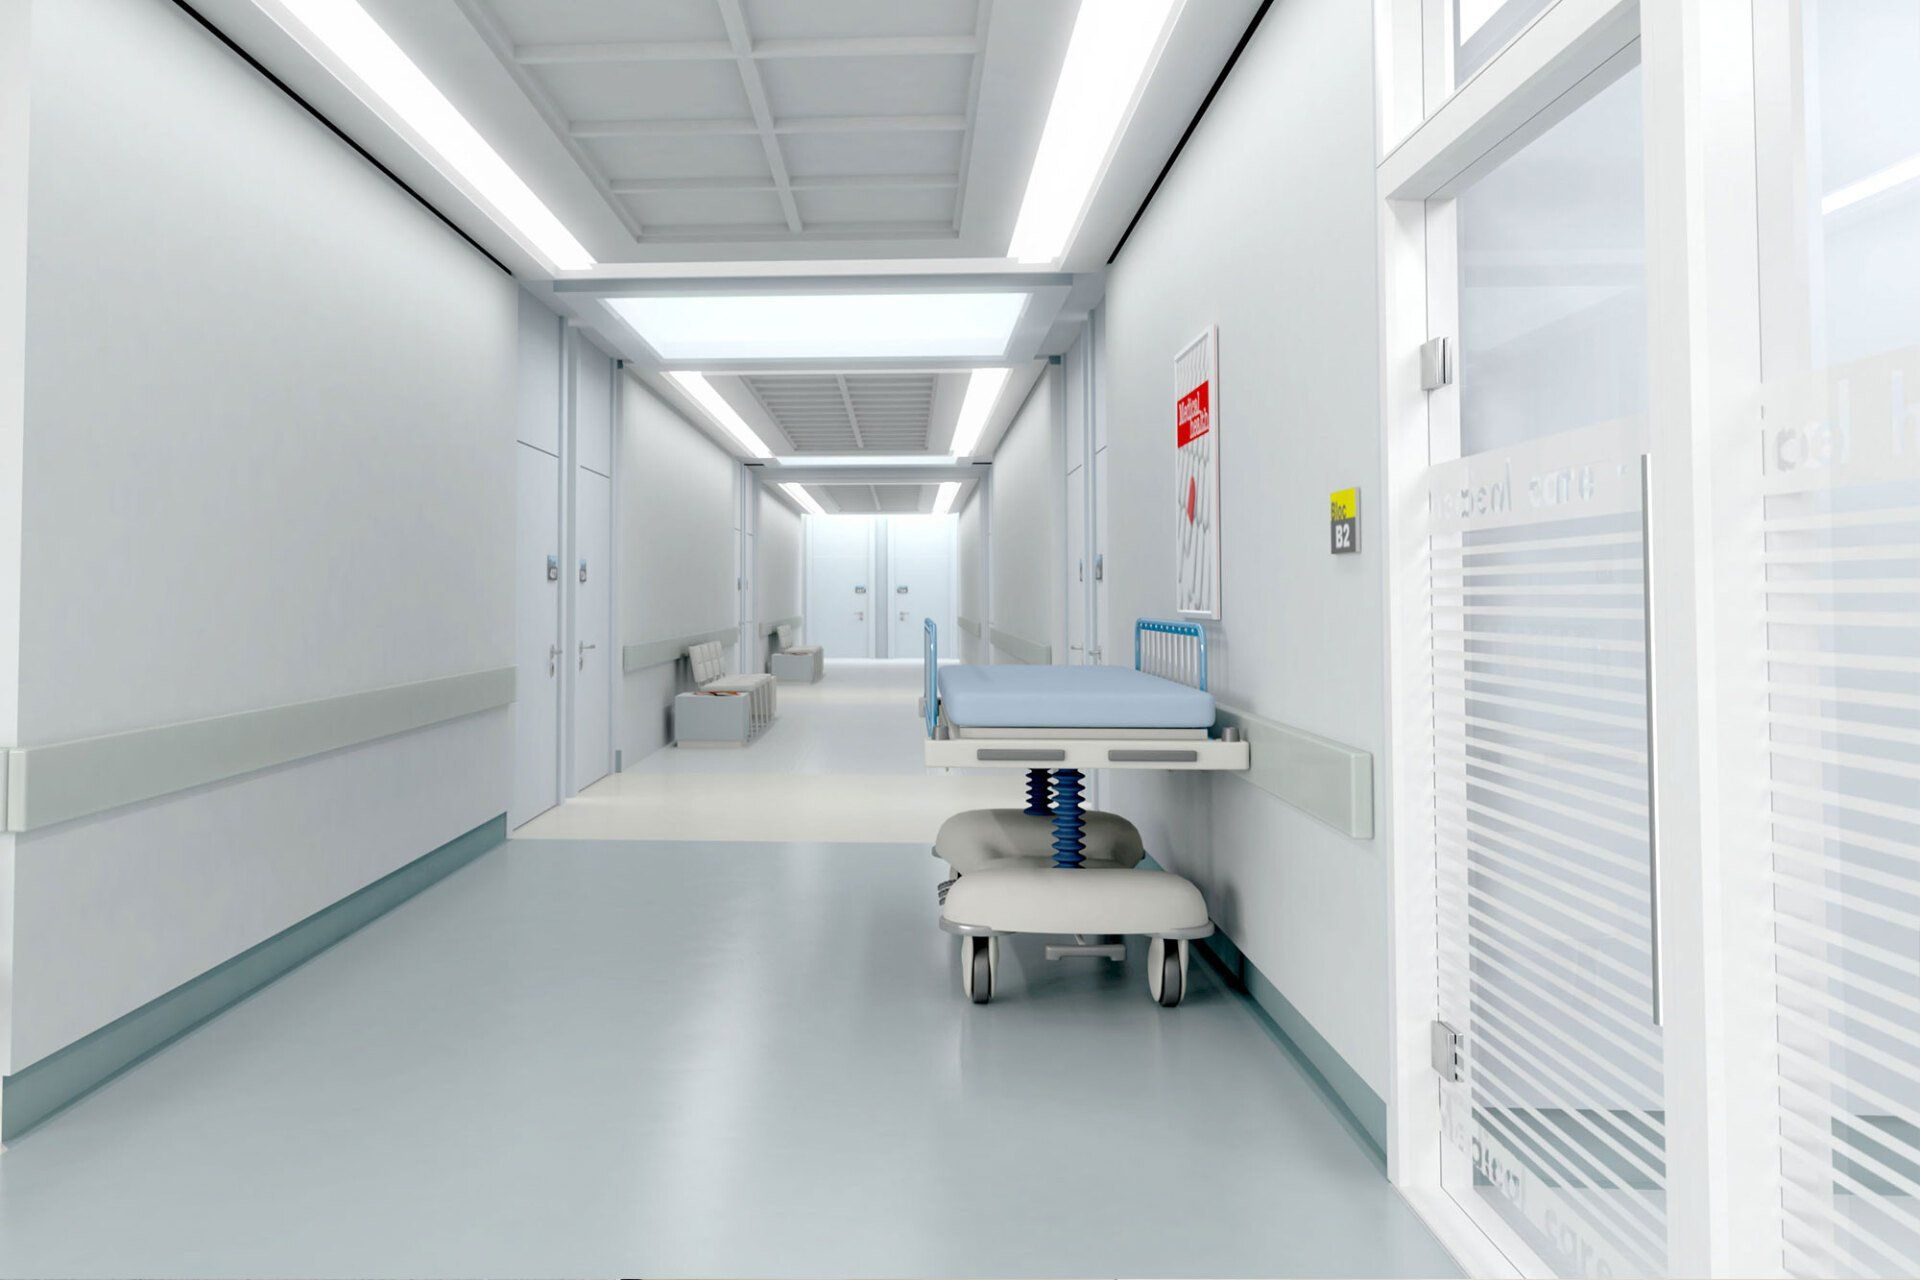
(1057, 868)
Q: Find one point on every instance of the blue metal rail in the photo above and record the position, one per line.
(1168, 656)
(930, 660)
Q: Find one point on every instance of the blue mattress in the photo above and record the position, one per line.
(1018, 697)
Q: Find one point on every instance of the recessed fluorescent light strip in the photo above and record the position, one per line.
(369, 54)
(779, 326)
(976, 408)
(865, 460)
(800, 495)
(723, 414)
(1112, 50)
(943, 501)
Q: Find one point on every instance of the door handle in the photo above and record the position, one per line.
(584, 646)
(553, 659)
(860, 616)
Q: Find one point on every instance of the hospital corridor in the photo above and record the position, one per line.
(959, 638)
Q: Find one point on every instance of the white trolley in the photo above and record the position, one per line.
(1048, 869)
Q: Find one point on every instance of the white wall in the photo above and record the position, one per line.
(269, 423)
(674, 519)
(778, 553)
(1028, 528)
(1265, 226)
(972, 593)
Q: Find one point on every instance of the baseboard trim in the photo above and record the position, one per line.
(1362, 1110)
(42, 1089)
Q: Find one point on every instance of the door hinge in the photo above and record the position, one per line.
(1447, 1049)
(1436, 363)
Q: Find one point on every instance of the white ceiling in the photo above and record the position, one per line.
(875, 499)
(853, 413)
(720, 121)
(695, 144)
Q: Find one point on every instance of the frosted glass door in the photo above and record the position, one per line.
(1554, 1131)
(1835, 558)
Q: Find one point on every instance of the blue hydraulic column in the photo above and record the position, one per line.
(1069, 819)
(1037, 803)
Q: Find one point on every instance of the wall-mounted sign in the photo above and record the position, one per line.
(1345, 511)
(1196, 473)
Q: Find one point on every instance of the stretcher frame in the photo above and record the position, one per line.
(1173, 650)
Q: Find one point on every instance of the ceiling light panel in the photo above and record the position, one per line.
(1114, 46)
(357, 49)
(799, 494)
(976, 409)
(722, 413)
(824, 326)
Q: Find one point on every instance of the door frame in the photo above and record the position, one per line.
(1698, 109)
(575, 348)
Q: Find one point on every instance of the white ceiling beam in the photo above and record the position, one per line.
(659, 128)
(729, 286)
(749, 127)
(869, 47)
(533, 55)
(724, 233)
(982, 12)
(736, 21)
(853, 416)
(824, 182)
(872, 124)
(544, 55)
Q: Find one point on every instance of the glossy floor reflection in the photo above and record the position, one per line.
(597, 1057)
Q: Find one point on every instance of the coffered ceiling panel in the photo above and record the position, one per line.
(854, 413)
(861, 19)
(672, 95)
(598, 21)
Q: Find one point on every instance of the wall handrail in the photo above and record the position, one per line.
(653, 653)
(61, 781)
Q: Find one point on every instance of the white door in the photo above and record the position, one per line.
(919, 581)
(751, 647)
(841, 592)
(1540, 762)
(592, 637)
(1097, 620)
(1079, 566)
(536, 599)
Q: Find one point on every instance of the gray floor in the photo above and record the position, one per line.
(595, 1057)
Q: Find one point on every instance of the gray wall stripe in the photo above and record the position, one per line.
(1326, 779)
(42, 1088)
(1024, 650)
(651, 653)
(67, 780)
(968, 625)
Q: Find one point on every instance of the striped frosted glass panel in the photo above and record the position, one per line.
(1543, 857)
(1841, 584)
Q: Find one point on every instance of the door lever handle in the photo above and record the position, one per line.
(584, 646)
(553, 659)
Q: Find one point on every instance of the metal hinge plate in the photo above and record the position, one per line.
(1436, 364)
(1447, 1048)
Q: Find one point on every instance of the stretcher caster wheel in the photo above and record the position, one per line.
(1167, 971)
(977, 965)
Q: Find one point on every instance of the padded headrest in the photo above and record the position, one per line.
(705, 660)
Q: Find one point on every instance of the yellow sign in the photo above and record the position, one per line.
(1345, 512)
